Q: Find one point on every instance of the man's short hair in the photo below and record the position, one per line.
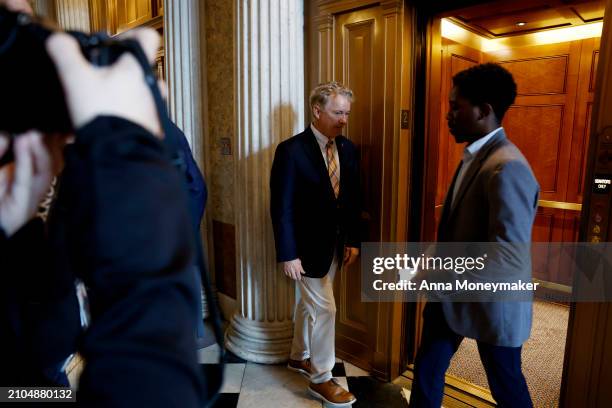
(320, 95)
(487, 83)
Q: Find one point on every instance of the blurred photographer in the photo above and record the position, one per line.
(39, 322)
(120, 226)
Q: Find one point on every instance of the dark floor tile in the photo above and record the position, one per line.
(227, 401)
(209, 339)
(213, 377)
(371, 393)
(338, 370)
(232, 358)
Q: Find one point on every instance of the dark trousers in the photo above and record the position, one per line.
(502, 366)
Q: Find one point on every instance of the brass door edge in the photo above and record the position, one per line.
(560, 205)
(464, 386)
(458, 393)
(554, 286)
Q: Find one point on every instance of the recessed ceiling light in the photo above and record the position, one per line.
(521, 23)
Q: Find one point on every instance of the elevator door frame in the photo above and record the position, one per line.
(587, 361)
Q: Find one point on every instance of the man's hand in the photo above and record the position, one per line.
(350, 255)
(293, 269)
(24, 182)
(117, 90)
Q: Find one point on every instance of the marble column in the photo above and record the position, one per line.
(183, 68)
(73, 14)
(184, 76)
(269, 107)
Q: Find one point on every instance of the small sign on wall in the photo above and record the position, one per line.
(601, 183)
(405, 123)
(226, 146)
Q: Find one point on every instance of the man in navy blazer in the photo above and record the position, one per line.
(493, 198)
(315, 213)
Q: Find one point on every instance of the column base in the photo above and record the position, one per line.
(259, 342)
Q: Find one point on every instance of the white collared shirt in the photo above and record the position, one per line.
(468, 157)
(322, 140)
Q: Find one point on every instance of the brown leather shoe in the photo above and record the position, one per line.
(300, 366)
(332, 393)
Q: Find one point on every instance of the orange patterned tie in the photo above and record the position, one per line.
(332, 167)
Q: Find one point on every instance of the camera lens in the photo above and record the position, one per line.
(23, 19)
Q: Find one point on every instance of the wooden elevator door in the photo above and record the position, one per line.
(359, 52)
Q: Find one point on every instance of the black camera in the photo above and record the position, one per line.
(31, 95)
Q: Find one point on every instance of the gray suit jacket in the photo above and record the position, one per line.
(496, 202)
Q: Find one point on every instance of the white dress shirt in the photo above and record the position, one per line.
(468, 157)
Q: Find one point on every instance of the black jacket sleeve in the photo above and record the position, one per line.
(283, 181)
(40, 313)
(125, 225)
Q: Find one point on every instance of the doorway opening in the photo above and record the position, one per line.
(552, 50)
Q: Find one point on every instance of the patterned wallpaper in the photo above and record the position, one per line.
(220, 72)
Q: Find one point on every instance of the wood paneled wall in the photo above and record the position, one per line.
(548, 122)
(117, 16)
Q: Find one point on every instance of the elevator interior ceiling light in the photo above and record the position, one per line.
(460, 35)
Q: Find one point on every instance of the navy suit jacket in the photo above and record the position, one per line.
(198, 193)
(310, 223)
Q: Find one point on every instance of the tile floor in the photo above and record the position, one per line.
(251, 385)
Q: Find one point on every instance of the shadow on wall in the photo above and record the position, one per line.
(283, 123)
(258, 254)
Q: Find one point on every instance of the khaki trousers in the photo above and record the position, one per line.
(315, 324)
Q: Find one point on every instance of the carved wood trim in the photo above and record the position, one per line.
(593, 71)
(323, 20)
(588, 352)
(583, 150)
(335, 6)
(391, 6)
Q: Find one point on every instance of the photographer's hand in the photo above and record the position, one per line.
(23, 183)
(117, 90)
(21, 6)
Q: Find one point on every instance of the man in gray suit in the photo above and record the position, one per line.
(493, 198)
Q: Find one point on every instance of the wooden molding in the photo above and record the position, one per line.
(103, 16)
(156, 23)
(588, 356)
(324, 21)
(391, 6)
(335, 6)
(593, 70)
